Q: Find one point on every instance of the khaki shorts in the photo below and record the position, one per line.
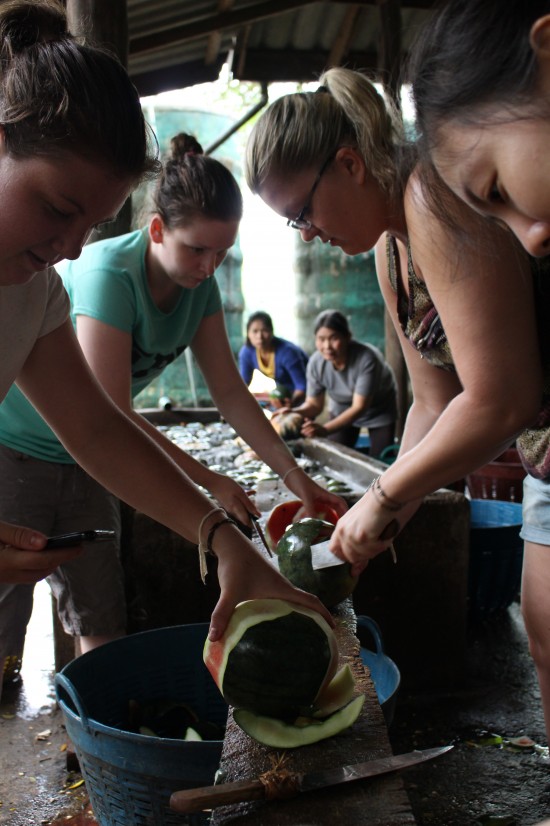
(58, 498)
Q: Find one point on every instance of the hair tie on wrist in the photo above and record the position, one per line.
(203, 547)
(288, 472)
(208, 549)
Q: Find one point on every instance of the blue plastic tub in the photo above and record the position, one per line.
(496, 556)
(130, 777)
(384, 672)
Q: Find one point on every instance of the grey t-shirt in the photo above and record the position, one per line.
(366, 373)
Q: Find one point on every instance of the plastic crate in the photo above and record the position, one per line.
(130, 777)
(501, 479)
(496, 556)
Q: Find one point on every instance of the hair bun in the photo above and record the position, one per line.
(24, 23)
(184, 144)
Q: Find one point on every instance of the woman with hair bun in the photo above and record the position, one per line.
(137, 301)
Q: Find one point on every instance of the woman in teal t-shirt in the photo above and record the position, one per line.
(137, 301)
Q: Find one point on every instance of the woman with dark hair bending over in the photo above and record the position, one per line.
(73, 144)
(275, 357)
(359, 383)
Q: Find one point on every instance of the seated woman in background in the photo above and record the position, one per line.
(275, 357)
(360, 385)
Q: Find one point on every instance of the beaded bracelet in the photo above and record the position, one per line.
(385, 500)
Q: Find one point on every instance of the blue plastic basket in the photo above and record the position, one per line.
(384, 672)
(130, 777)
(496, 556)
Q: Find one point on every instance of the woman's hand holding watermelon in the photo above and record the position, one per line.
(313, 495)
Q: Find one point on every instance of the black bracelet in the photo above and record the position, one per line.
(385, 500)
(214, 528)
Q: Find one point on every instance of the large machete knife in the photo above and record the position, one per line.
(208, 797)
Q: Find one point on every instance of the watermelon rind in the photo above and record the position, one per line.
(279, 734)
(336, 694)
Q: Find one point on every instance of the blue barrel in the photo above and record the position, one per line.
(496, 557)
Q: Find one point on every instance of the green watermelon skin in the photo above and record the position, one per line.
(330, 585)
(292, 673)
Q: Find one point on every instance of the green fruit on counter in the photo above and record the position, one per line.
(331, 585)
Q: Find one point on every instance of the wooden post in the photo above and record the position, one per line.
(104, 23)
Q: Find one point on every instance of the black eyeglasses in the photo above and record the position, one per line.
(300, 222)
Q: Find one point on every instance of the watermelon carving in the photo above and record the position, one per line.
(277, 662)
(330, 585)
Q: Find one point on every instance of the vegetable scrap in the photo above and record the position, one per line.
(483, 739)
(171, 719)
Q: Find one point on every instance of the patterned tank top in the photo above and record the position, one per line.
(422, 327)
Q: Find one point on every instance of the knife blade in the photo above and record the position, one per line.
(261, 536)
(322, 556)
(209, 797)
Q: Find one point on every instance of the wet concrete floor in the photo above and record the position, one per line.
(482, 782)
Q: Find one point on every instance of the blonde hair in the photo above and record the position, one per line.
(302, 130)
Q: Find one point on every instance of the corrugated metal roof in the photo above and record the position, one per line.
(177, 43)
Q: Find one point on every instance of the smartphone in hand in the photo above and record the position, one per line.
(66, 540)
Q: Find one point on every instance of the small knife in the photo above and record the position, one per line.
(256, 525)
(322, 556)
(208, 797)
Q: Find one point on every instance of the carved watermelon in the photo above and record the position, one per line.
(277, 661)
(331, 585)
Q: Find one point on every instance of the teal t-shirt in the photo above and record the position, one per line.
(108, 282)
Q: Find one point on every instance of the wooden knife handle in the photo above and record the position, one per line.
(208, 797)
